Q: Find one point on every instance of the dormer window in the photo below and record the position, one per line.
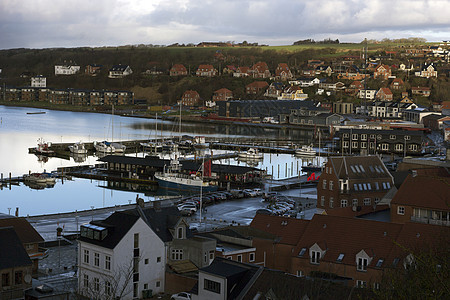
(315, 254)
(362, 261)
(315, 257)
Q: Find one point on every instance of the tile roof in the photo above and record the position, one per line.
(288, 230)
(348, 236)
(430, 188)
(258, 84)
(27, 234)
(12, 252)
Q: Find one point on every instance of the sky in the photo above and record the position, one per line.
(96, 23)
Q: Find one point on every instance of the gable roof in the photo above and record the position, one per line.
(223, 90)
(288, 230)
(119, 68)
(12, 252)
(178, 68)
(26, 233)
(372, 167)
(429, 188)
(258, 84)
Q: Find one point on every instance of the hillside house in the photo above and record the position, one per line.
(241, 72)
(39, 81)
(384, 94)
(190, 98)
(222, 94)
(178, 70)
(282, 72)
(293, 93)
(119, 71)
(66, 69)
(427, 71)
(274, 90)
(206, 71)
(260, 70)
(397, 84)
(382, 71)
(421, 91)
(367, 94)
(256, 87)
(93, 69)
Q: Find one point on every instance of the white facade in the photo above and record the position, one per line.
(206, 284)
(66, 69)
(39, 81)
(132, 269)
(369, 94)
(120, 72)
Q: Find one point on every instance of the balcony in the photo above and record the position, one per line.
(430, 221)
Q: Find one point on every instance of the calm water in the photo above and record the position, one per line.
(20, 131)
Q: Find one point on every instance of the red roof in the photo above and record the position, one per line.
(288, 229)
(223, 90)
(258, 84)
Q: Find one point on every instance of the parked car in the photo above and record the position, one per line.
(258, 192)
(181, 296)
(268, 196)
(264, 211)
(249, 193)
(188, 206)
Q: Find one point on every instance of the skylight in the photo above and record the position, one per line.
(362, 168)
(379, 263)
(357, 169)
(302, 252)
(353, 169)
(340, 257)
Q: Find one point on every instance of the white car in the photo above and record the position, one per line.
(188, 207)
(181, 296)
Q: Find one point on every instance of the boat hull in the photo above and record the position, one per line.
(171, 183)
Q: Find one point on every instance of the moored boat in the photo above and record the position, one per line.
(78, 148)
(44, 148)
(251, 153)
(104, 147)
(305, 150)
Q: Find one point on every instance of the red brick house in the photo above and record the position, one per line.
(384, 94)
(382, 72)
(260, 70)
(421, 90)
(190, 98)
(282, 72)
(256, 87)
(397, 84)
(241, 72)
(423, 197)
(353, 184)
(206, 71)
(222, 95)
(178, 70)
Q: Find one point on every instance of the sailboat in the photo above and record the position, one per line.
(171, 177)
(311, 167)
(105, 147)
(153, 146)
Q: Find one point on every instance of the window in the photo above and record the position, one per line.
(146, 261)
(355, 202)
(5, 279)
(361, 284)
(367, 201)
(108, 288)
(85, 280)
(135, 290)
(354, 144)
(401, 210)
(18, 277)
(354, 136)
(136, 240)
(407, 137)
(97, 259)
(340, 257)
(392, 137)
(324, 184)
(86, 256)
(398, 147)
(108, 262)
(331, 202)
(363, 145)
(363, 136)
(385, 146)
(211, 255)
(322, 200)
(379, 263)
(239, 258)
(158, 259)
(355, 186)
(377, 186)
(299, 273)
(362, 264)
(145, 286)
(158, 283)
(302, 252)
(211, 286)
(180, 232)
(376, 286)
(331, 185)
(412, 147)
(177, 254)
(344, 203)
(315, 257)
(345, 135)
(96, 284)
(345, 144)
(251, 257)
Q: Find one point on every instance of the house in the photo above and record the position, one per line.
(28, 236)
(124, 255)
(178, 70)
(39, 81)
(372, 141)
(416, 115)
(190, 98)
(397, 84)
(293, 93)
(435, 121)
(93, 69)
(421, 91)
(382, 109)
(332, 85)
(367, 94)
(422, 198)
(352, 73)
(260, 70)
(324, 69)
(206, 71)
(256, 87)
(119, 71)
(342, 108)
(15, 265)
(222, 94)
(274, 90)
(427, 71)
(241, 72)
(282, 72)
(258, 108)
(66, 69)
(384, 94)
(382, 71)
(305, 82)
(353, 183)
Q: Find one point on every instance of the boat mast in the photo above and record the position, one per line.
(179, 129)
(201, 188)
(112, 123)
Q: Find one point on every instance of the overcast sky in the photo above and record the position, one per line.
(76, 23)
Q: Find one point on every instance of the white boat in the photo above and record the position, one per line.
(251, 153)
(35, 178)
(104, 147)
(118, 147)
(306, 150)
(171, 177)
(78, 148)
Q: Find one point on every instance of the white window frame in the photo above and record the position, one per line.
(344, 203)
(362, 264)
(315, 257)
(400, 210)
(251, 257)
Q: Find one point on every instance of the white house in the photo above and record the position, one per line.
(124, 256)
(369, 94)
(39, 81)
(120, 71)
(66, 69)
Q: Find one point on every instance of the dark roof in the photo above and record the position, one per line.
(189, 165)
(161, 221)
(358, 167)
(119, 68)
(12, 252)
(27, 234)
